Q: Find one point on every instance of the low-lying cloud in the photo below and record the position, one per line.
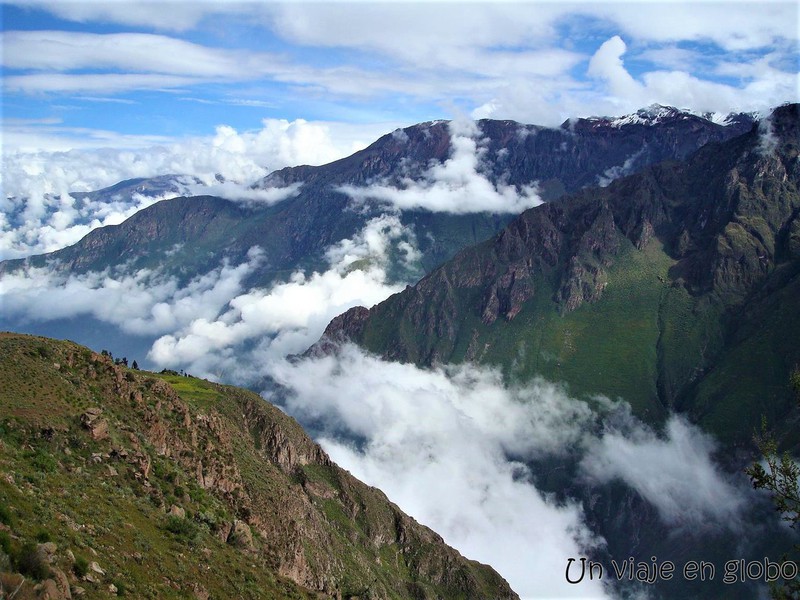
(458, 185)
(144, 302)
(674, 472)
(291, 315)
(452, 446)
(437, 443)
(37, 182)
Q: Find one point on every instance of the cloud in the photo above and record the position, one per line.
(437, 442)
(245, 194)
(38, 183)
(144, 303)
(176, 16)
(508, 60)
(674, 472)
(682, 89)
(291, 315)
(458, 185)
(450, 445)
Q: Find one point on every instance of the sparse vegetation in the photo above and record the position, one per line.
(102, 494)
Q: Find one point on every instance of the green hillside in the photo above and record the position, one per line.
(167, 486)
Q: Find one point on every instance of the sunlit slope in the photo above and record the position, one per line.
(177, 487)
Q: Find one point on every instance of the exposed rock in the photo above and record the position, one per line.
(62, 583)
(47, 552)
(97, 426)
(241, 536)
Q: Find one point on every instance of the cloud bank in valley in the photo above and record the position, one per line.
(458, 185)
(450, 446)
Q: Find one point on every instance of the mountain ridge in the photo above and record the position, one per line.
(725, 222)
(177, 486)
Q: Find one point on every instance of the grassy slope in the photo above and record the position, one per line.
(54, 486)
(55, 478)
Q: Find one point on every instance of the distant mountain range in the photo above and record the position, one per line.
(297, 231)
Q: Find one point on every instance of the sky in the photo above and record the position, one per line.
(134, 74)
(98, 91)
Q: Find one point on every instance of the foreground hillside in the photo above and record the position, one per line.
(675, 289)
(117, 481)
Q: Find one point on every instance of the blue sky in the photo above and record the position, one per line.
(181, 68)
(98, 91)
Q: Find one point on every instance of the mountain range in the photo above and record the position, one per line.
(674, 288)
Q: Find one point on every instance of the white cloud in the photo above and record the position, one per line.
(446, 445)
(290, 316)
(458, 185)
(674, 472)
(437, 443)
(145, 302)
(245, 194)
(176, 16)
(38, 183)
(765, 86)
(514, 58)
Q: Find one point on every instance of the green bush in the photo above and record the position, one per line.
(30, 562)
(5, 542)
(5, 515)
(183, 528)
(43, 537)
(44, 461)
(81, 566)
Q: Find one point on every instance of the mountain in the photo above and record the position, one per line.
(186, 240)
(168, 486)
(675, 288)
(187, 235)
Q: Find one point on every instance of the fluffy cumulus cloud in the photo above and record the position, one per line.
(40, 215)
(680, 88)
(458, 185)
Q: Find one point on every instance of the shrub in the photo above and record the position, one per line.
(181, 527)
(5, 542)
(5, 515)
(43, 537)
(81, 566)
(30, 562)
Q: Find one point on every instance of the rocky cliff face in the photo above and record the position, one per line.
(684, 248)
(186, 487)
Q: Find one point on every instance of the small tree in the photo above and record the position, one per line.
(781, 477)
